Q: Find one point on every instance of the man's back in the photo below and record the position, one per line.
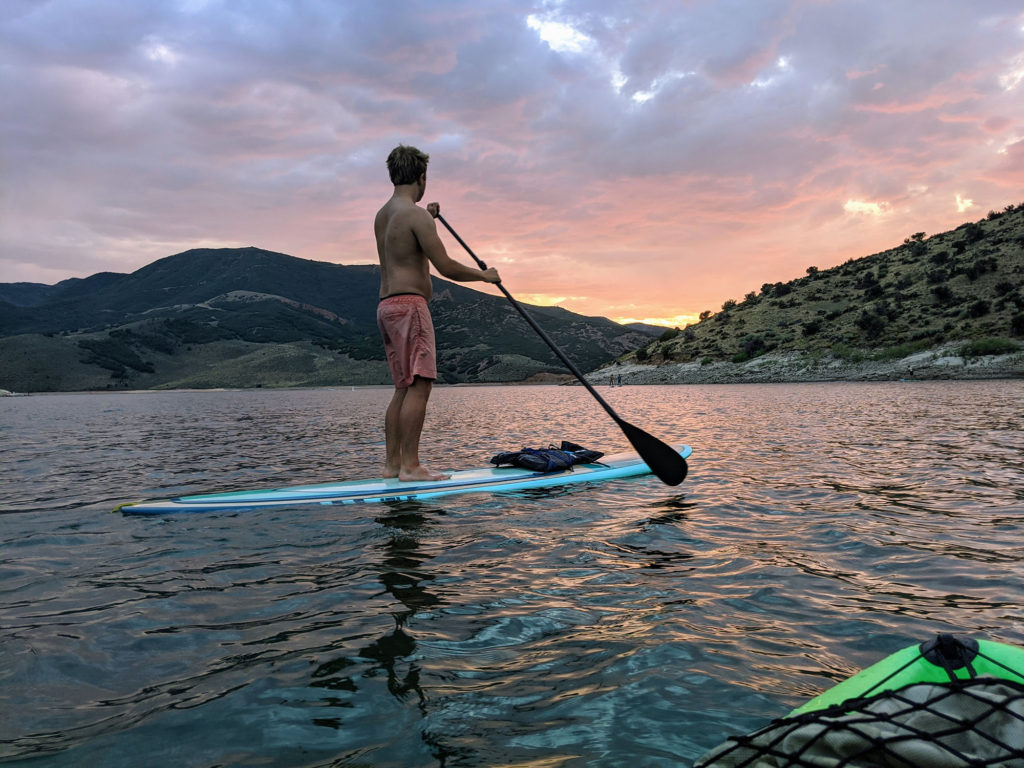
(407, 244)
(403, 264)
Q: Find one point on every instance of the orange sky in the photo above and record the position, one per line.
(645, 162)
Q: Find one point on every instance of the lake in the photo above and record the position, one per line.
(822, 527)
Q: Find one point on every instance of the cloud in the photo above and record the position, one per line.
(866, 208)
(611, 147)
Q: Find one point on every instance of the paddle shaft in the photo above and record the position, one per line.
(664, 461)
(533, 324)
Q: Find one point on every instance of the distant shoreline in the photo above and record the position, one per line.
(941, 363)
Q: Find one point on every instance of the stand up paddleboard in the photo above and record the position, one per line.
(486, 480)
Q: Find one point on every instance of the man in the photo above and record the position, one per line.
(407, 244)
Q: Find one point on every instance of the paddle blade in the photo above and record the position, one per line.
(663, 460)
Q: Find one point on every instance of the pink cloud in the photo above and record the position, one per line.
(132, 131)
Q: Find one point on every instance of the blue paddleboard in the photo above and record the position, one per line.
(485, 479)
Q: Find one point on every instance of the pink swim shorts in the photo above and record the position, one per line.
(408, 332)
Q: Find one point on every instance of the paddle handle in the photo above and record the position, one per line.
(533, 324)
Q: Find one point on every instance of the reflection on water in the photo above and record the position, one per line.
(821, 527)
(402, 576)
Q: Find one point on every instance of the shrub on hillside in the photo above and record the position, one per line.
(915, 248)
(812, 327)
(867, 280)
(980, 267)
(873, 291)
(191, 332)
(972, 232)
(847, 353)
(1004, 287)
(114, 354)
(989, 346)
(872, 325)
(979, 308)
(751, 346)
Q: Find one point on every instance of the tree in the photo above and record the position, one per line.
(973, 232)
(979, 308)
(752, 344)
(1017, 325)
(871, 324)
(811, 327)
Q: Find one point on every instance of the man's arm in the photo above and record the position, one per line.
(430, 242)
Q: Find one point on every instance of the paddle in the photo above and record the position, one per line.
(663, 460)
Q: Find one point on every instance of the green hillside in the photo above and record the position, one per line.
(248, 317)
(965, 285)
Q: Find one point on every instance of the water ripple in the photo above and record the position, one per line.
(821, 527)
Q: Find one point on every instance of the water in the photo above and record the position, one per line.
(822, 527)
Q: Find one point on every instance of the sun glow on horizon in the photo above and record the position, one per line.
(675, 321)
(542, 299)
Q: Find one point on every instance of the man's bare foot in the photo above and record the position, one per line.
(390, 472)
(421, 473)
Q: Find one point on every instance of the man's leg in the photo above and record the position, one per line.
(392, 435)
(412, 412)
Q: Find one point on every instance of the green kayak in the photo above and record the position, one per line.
(951, 701)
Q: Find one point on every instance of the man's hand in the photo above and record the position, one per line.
(491, 275)
(434, 209)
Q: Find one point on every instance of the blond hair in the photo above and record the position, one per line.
(406, 164)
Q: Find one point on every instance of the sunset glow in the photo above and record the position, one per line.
(644, 166)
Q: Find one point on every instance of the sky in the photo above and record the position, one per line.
(644, 160)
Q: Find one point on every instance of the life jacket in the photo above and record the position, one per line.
(548, 459)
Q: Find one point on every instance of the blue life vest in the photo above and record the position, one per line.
(550, 459)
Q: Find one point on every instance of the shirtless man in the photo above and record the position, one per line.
(407, 244)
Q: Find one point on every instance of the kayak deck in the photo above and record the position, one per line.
(949, 701)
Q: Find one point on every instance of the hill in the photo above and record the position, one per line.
(961, 292)
(242, 317)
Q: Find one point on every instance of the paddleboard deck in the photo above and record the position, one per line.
(482, 480)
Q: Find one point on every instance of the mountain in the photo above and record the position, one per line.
(31, 294)
(646, 328)
(240, 317)
(964, 288)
